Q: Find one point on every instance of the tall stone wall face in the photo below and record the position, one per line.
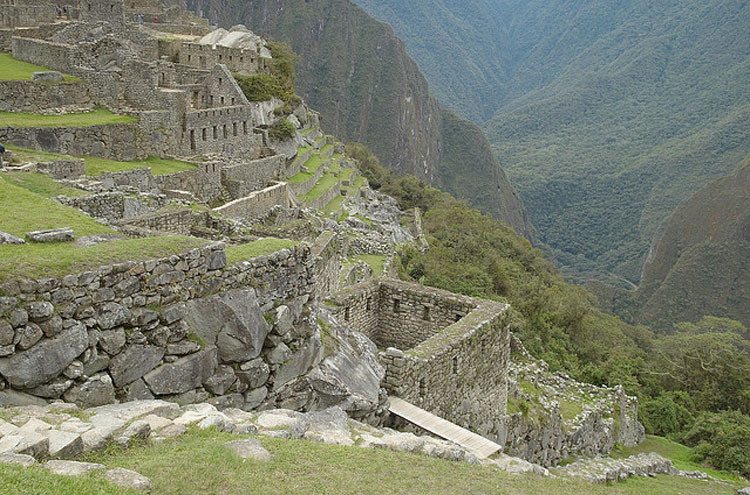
(244, 178)
(39, 97)
(204, 182)
(257, 203)
(226, 130)
(178, 221)
(57, 56)
(327, 251)
(139, 179)
(245, 62)
(122, 142)
(320, 202)
(63, 169)
(124, 330)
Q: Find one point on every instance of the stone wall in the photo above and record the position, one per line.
(301, 188)
(327, 251)
(40, 97)
(250, 176)
(226, 130)
(129, 330)
(115, 206)
(139, 179)
(257, 203)
(58, 56)
(325, 198)
(174, 220)
(115, 141)
(206, 56)
(460, 371)
(204, 182)
(63, 169)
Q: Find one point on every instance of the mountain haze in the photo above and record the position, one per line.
(607, 115)
(356, 72)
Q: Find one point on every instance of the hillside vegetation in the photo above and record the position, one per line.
(357, 74)
(607, 115)
(693, 384)
(699, 263)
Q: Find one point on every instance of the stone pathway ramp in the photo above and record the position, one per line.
(476, 444)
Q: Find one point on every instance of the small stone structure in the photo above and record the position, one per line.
(447, 354)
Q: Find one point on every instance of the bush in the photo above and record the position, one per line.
(722, 439)
(666, 415)
(281, 130)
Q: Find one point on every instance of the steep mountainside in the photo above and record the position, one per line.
(701, 262)
(606, 114)
(356, 72)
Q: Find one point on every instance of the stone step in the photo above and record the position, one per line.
(603, 469)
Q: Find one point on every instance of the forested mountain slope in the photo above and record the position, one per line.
(606, 114)
(702, 259)
(356, 72)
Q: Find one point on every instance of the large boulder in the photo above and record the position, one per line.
(232, 321)
(46, 359)
(184, 374)
(134, 362)
(350, 375)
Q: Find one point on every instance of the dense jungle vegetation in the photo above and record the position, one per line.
(693, 384)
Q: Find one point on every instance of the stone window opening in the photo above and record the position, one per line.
(396, 305)
(232, 100)
(192, 139)
(234, 129)
(426, 313)
(244, 127)
(216, 134)
(204, 133)
(211, 100)
(369, 303)
(225, 131)
(222, 100)
(455, 365)
(189, 57)
(346, 314)
(220, 78)
(458, 317)
(422, 387)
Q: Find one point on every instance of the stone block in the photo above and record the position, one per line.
(184, 374)
(52, 235)
(47, 76)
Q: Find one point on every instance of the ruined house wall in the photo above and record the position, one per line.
(63, 169)
(408, 317)
(461, 373)
(221, 130)
(57, 56)
(244, 178)
(204, 182)
(174, 221)
(256, 204)
(115, 205)
(327, 252)
(206, 56)
(358, 308)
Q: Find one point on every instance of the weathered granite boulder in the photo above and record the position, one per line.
(72, 468)
(232, 321)
(128, 479)
(6, 238)
(53, 235)
(184, 374)
(47, 76)
(249, 448)
(134, 362)
(45, 360)
(95, 391)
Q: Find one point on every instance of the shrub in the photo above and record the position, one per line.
(281, 130)
(722, 439)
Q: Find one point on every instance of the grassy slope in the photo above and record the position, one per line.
(198, 463)
(99, 116)
(159, 166)
(16, 70)
(41, 184)
(23, 211)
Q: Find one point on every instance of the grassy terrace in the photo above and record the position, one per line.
(97, 166)
(314, 162)
(334, 205)
(100, 116)
(376, 262)
(678, 453)
(326, 148)
(324, 184)
(159, 166)
(16, 70)
(21, 211)
(199, 464)
(41, 184)
(241, 252)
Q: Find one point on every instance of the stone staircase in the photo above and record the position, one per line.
(604, 469)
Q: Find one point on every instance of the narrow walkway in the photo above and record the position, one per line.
(478, 445)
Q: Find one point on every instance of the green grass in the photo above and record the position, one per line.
(376, 262)
(345, 173)
(16, 70)
(300, 177)
(334, 205)
(326, 148)
(199, 464)
(365, 219)
(307, 131)
(99, 116)
(678, 453)
(41, 184)
(26, 155)
(159, 166)
(269, 245)
(23, 211)
(314, 162)
(324, 184)
(358, 183)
